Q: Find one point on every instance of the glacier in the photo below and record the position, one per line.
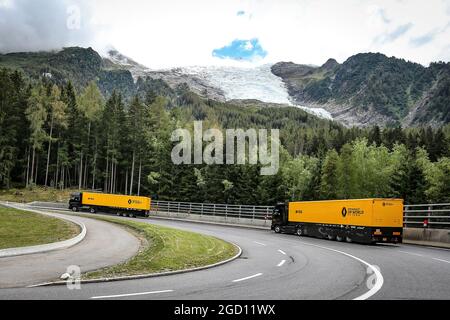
(244, 83)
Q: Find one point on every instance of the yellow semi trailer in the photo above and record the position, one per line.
(364, 221)
(119, 204)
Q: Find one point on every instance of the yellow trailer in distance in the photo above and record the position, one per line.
(120, 204)
(360, 220)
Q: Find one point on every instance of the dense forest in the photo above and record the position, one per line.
(55, 135)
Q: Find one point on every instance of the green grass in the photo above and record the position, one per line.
(22, 228)
(36, 194)
(166, 249)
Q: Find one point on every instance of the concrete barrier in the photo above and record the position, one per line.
(263, 224)
(431, 237)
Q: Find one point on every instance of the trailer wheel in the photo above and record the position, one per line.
(118, 214)
(299, 232)
(348, 239)
(330, 237)
(339, 238)
(131, 215)
(92, 210)
(277, 229)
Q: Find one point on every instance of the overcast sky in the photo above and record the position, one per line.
(166, 33)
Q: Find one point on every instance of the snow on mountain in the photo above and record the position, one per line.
(241, 83)
(220, 82)
(257, 83)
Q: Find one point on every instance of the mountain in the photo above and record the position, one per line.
(371, 88)
(366, 89)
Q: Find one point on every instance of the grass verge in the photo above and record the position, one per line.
(166, 250)
(23, 228)
(35, 194)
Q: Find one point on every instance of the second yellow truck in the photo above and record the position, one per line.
(119, 204)
(364, 221)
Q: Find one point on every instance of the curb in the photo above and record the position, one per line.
(143, 276)
(12, 252)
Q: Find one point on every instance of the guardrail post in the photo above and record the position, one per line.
(168, 206)
(430, 209)
(178, 207)
(254, 212)
(201, 210)
(240, 211)
(214, 210)
(226, 211)
(405, 216)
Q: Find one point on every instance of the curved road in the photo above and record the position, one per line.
(105, 244)
(275, 266)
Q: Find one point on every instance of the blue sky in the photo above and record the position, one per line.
(248, 50)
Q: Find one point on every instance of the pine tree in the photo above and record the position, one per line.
(330, 176)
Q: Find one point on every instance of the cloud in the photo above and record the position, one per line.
(43, 24)
(424, 39)
(394, 35)
(241, 50)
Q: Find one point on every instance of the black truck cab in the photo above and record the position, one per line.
(75, 201)
(279, 217)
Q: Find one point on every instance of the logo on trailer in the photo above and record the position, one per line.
(129, 201)
(344, 212)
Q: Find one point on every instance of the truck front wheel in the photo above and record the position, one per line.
(277, 229)
(75, 209)
(92, 210)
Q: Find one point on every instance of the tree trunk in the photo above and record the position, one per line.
(126, 181)
(94, 167)
(36, 174)
(107, 173)
(48, 151)
(57, 165)
(132, 173)
(28, 168)
(87, 157)
(80, 171)
(139, 179)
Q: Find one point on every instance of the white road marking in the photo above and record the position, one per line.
(131, 294)
(420, 255)
(442, 260)
(281, 263)
(246, 278)
(378, 275)
(260, 243)
(282, 252)
(411, 253)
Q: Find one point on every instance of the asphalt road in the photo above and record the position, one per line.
(105, 244)
(275, 266)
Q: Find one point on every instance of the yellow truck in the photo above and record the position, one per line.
(119, 204)
(363, 221)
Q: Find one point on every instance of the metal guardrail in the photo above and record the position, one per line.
(437, 215)
(213, 209)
